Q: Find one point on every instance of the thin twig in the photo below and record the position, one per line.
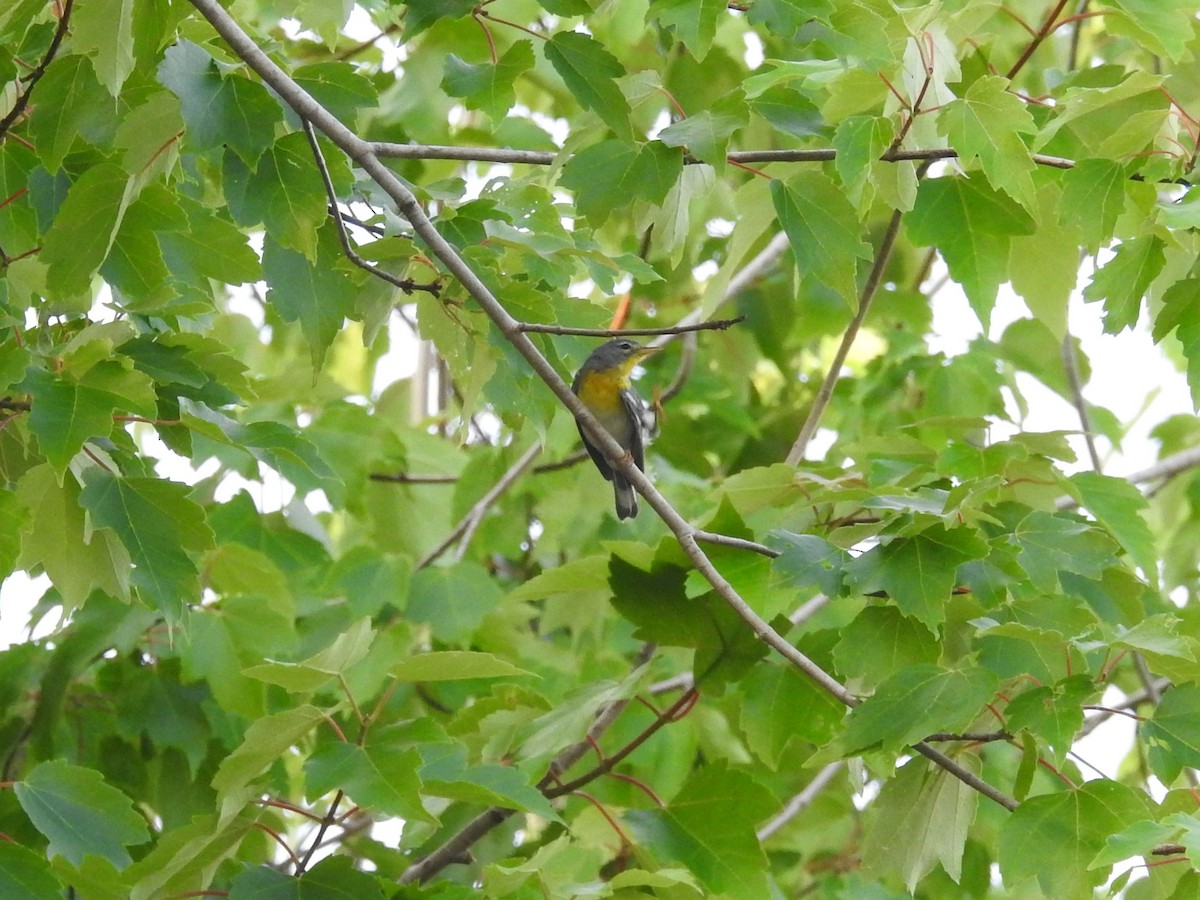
(1166, 468)
(405, 284)
(683, 371)
(455, 849)
(711, 325)
(1048, 25)
(1071, 366)
(609, 763)
(974, 737)
(801, 801)
(724, 540)
(967, 776)
(35, 76)
(468, 523)
(1077, 20)
(1135, 699)
(385, 150)
(825, 392)
(405, 478)
(807, 610)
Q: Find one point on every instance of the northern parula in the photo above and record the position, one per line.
(602, 383)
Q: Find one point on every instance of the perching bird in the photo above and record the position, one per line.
(602, 384)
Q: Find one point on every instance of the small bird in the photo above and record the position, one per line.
(602, 384)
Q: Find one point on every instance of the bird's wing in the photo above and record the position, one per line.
(635, 409)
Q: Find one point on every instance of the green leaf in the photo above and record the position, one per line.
(706, 134)
(880, 642)
(823, 229)
(1054, 714)
(265, 741)
(1044, 267)
(84, 229)
(314, 294)
(778, 705)
(219, 109)
(381, 779)
(135, 264)
(657, 603)
(66, 414)
(920, 819)
(447, 773)
(210, 247)
(185, 858)
(918, 572)
(1136, 840)
(709, 826)
(489, 87)
(79, 813)
(1093, 198)
(333, 878)
(71, 105)
(350, 647)
(26, 875)
(986, 123)
(1178, 303)
(420, 14)
(158, 522)
(611, 175)
(453, 665)
(860, 141)
(1054, 837)
(283, 192)
(96, 559)
(1123, 281)
(1158, 635)
(452, 600)
(1118, 506)
(337, 87)
(1050, 543)
(1167, 25)
(807, 561)
(588, 70)
(971, 224)
(694, 21)
(1173, 735)
(915, 702)
(104, 33)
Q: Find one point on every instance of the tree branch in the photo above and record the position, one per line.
(801, 801)
(455, 849)
(710, 325)
(504, 155)
(825, 392)
(468, 523)
(35, 76)
(405, 284)
(1166, 468)
(1042, 33)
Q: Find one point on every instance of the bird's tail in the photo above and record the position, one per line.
(626, 497)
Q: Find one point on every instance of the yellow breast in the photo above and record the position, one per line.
(601, 391)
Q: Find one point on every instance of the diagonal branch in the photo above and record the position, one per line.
(35, 76)
(405, 284)
(465, 529)
(802, 800)
(825, 393)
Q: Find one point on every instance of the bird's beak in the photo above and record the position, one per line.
(643, 352)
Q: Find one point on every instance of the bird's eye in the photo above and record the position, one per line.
(626, 345)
